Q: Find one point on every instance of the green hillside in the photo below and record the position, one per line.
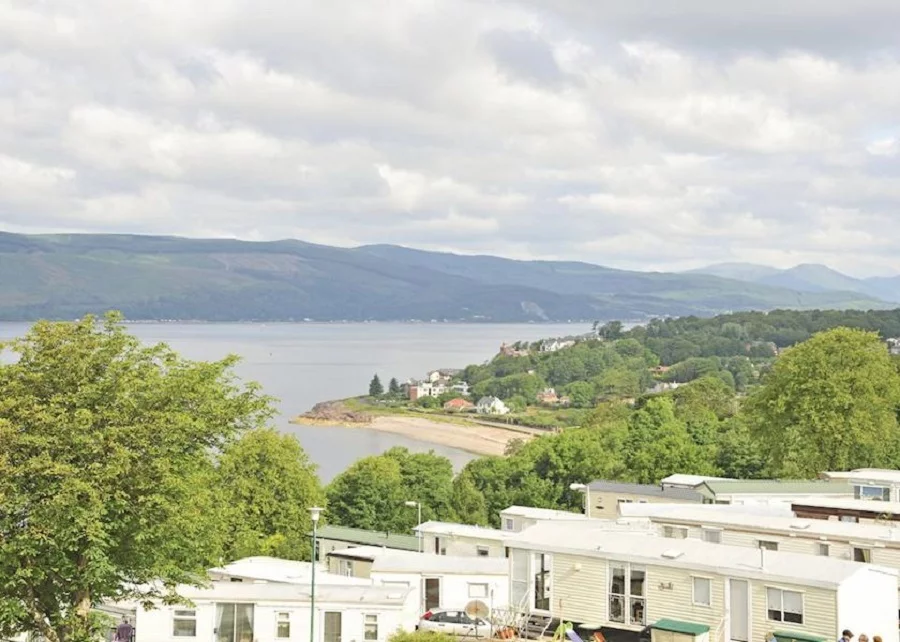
(64, 276)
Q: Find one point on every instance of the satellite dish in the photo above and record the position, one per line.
(477, 610)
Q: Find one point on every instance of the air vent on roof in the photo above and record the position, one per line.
(672, 554)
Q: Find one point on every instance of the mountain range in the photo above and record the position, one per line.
(807, 277)
(156, 277)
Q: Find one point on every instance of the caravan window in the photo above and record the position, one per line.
(184, 623)
(702, 590)
(784, 606)
(283, 625)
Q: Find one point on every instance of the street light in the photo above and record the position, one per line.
(314, 513)
(584, 488)
(418, 506)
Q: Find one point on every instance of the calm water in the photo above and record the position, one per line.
(302, 364)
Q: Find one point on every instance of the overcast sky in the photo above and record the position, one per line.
(642, 134)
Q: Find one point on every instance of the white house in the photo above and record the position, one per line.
(272, 611)
(518, 518)
(577, 572)
(491, 406)
(462, 540)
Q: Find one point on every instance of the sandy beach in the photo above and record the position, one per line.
(473, 438)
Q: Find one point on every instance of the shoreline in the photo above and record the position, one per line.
(474, 438)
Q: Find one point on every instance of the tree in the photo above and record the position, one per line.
(106, 472)
(394, 387)
(469, 505)
(367, 495)
(372, 493)
(582, 394)
(829, 403)
(610, 331)
(267, 484)
(376, 389)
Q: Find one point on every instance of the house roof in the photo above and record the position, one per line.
(239, 591)
(648, 490)
(530, 512)
(426, 563)
(458, 403)
(486, 401)
(585, 539)
(727, 487)
(689, 481)
(450, 529)
(758, 521)
(273, 569)
(368, 553)
(865, 475)
(862, 505)
(368, 538)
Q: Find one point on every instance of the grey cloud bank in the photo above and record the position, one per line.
(644, 136)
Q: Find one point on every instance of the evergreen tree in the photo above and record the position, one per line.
(394, 387)
(376, 389)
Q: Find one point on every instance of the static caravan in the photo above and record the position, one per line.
(266, 612)
(603, 498)
(273, 569)
(332, 538)
(441, 581)
(600, 578)
(871, 543)
(462, 540)
(517, 518)
(771, 491)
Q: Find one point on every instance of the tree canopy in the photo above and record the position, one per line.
(106, 473)
(376, 388)
(373, 492)
(266, 484)
(829, 403)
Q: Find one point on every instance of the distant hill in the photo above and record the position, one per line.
(151, 277)
(807, 277)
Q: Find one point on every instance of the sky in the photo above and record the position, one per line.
(642, 135)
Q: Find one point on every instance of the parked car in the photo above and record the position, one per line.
(454, 622)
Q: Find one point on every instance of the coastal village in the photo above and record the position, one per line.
(691, 559)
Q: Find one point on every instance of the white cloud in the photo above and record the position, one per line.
(623, 134)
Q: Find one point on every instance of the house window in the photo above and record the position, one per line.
(702, 591)
(823, 550)
(371, 627)
(283, 625)
(478, 591)
(627, 593)
(711, 535)
(508, 524)
(862, 555)
(675, 532)
(784, 606)
(184, 623)
(876, 493)
(439, 547)
(482, 551)
(767, 545)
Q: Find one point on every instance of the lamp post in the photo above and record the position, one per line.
(314, 513)
(584, 488)
(418, 506)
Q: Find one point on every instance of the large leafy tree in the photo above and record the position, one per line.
(105, 472)
(829, 403)
(373, 492)
(267, 484)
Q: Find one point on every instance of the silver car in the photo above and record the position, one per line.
(454, 622)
